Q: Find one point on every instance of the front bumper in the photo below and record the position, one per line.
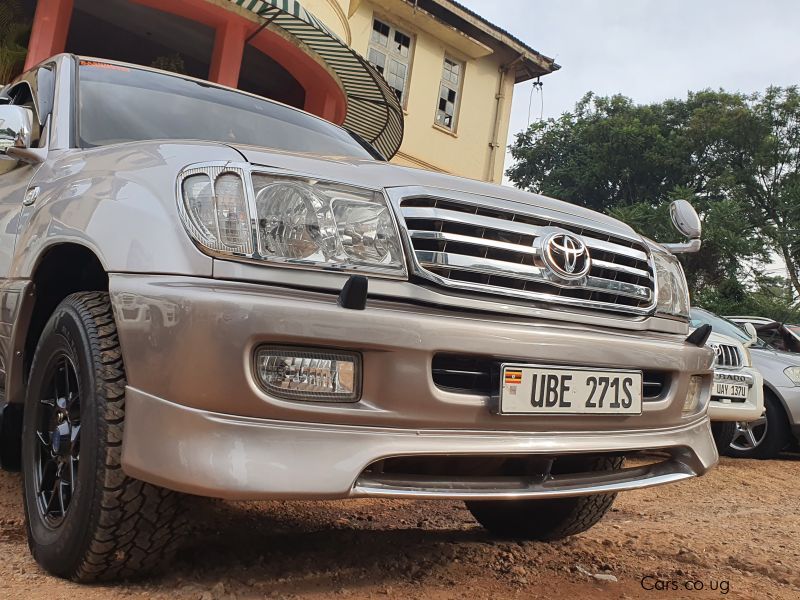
(197, 421)
(211, 454)
(723, 409)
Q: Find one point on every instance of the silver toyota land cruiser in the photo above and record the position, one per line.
(206, 292)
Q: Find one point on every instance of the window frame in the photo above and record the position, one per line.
(462, 64)
(389, 54)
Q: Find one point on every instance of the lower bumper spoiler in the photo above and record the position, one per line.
(242, 458)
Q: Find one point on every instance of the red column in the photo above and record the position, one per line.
(50, 29)
(226, 61)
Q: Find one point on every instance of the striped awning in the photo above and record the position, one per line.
(373, 109)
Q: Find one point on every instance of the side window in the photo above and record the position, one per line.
(391, 52)
(449, 93)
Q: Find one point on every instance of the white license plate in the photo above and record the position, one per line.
(528, 389)
(729, 390)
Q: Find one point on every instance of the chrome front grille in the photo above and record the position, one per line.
(490, 250)
(727, 355)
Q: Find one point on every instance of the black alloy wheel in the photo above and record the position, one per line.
(58, 429)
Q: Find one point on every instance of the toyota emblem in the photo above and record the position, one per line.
(566, 255)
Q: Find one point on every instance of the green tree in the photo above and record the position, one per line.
(14, 32)
(733, 155)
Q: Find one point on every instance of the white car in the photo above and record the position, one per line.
(737, 395)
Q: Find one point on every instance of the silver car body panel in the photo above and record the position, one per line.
(771, 364)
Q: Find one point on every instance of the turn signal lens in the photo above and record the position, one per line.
(216, 212)
(697, 396)
(198, 198)
(234, 225)
(310, 374)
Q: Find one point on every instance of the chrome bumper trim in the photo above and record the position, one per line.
(510, 488)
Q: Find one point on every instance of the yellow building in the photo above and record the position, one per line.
(455, 71)
(450, 73)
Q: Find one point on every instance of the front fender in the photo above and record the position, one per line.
(118, 201)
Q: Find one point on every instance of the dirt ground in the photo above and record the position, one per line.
(735, 532)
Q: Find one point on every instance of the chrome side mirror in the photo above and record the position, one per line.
(16, 131)
(686, 221)
(751, 331)
(16, 127)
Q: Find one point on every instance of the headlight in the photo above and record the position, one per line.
(748, 358)
(290, 220)
(793, 373)
(673, 292)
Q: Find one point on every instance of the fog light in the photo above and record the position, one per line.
(311, 374)
(697, 396)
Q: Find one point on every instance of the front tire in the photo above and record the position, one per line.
(724, 432)
(86, 520)
(763, 438)
(548, 520)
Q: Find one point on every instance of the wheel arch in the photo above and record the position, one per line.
(770, 389)
(60, 270)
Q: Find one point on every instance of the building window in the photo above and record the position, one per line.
(390, 53)
(449, 93)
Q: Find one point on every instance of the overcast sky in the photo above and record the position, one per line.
(649, 50)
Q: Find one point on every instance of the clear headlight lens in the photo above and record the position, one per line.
(793, 373)
(673, 292)
(297, 221)
(215, 212)
(748, 358)
(325, 223)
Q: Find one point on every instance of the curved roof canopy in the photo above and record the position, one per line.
(373, 109)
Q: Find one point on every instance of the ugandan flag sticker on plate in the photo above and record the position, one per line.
(513, 377)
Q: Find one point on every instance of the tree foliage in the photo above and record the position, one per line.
(14, 31)
(735, 156)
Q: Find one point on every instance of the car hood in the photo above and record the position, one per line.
(719, 338)
(788, 359)
(377, 174)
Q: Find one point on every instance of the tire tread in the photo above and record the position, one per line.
(547, 520)
(137, 526)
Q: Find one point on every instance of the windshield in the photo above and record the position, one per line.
(718, 324)
(123, 104)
